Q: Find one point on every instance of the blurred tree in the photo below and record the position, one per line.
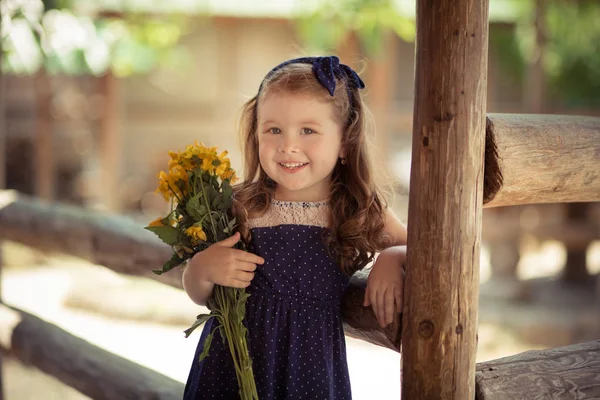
(573, 51)
(571, 38)
(326, 27)
(47, 34)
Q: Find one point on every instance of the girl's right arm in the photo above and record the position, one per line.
(219, 264)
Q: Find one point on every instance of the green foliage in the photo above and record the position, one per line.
(46, 34)
(173, 262)
(330, 23)
(505, 45)
(573, 52)
(167, 234)
(207, 344)
(200, 319)
(195, 208)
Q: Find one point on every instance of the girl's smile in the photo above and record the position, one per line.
(299, 142)
(292, 168)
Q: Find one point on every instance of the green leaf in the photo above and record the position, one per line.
(217, 202)
(214, 182)
(194, 207)
(211, 192)
(231, 224)
(227, 190)
(207, 344)
(167, 234)
(200, 319)
(169, 265)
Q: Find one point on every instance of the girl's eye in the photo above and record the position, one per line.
(307, 131)
(275, 131)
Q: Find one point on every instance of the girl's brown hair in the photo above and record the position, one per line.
(356, 226)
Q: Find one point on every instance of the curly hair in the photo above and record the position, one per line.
(356, 226)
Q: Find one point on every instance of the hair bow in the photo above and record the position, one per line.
(326, 69)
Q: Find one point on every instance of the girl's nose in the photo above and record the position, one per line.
(288, 145)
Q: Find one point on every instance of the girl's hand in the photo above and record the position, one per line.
(222, 265)
(385, 286)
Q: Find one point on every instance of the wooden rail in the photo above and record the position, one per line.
(516, 172)
(92, 371)
(570, 372)
(121, 245)
(541, 159)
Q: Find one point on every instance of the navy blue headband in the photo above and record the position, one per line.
(326, 69)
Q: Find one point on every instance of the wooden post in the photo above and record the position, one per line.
(109, 143)
(45, 160)
(445, 202)
(576, 266)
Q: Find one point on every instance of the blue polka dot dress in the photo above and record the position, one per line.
(293, 317)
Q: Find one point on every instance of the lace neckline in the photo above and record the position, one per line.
(302, 204)
(308, 213)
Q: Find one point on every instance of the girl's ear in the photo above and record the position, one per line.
(342, 153)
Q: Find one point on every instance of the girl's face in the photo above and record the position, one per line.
(299, 143)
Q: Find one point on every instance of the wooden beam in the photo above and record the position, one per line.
(360, 322)
(45, 156)
(91, 370)
(109, 143)
(123, 246)
(541, 159)
(570, 372)
(98, 237)
(445, 200)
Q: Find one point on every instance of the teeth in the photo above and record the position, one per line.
(292, 165)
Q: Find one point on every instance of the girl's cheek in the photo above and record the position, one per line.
(267, 142)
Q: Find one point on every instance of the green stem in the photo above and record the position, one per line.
(227, 299)
(212, 223)
(174, 194)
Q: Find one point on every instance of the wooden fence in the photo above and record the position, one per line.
(522, 159)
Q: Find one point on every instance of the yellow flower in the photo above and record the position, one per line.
(207, 164)
(196, 233)
(179, 173)
(223, 166)
(156, 222)
(163, 186)
(229, 174)
(172, 185)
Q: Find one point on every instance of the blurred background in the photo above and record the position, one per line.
(96, 92)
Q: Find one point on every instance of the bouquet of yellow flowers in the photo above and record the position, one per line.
(198, 186)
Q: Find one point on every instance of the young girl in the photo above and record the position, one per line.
(312, 216)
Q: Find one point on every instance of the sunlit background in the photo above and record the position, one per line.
(96, 92)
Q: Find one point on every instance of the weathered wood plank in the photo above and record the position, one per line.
(360, 322)
(101, 238)
(108, 141)
(122, 245)
(445, 200)
(91, 370)
(544, 158)
(45, 154)
(566, 373)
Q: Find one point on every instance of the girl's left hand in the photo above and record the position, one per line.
(385, 286)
